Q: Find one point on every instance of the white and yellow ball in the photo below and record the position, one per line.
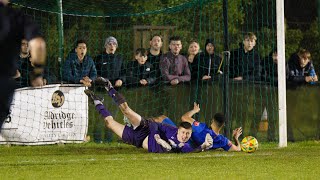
(249, 144)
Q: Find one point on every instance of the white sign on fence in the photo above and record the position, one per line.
(48, 115)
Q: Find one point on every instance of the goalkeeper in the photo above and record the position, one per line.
(145, 133)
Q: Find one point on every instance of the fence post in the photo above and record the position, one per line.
(226, 70)
(61, 38)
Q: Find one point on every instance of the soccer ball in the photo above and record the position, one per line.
(249, 144)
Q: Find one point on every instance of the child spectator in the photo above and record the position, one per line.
(79, 67)
(140, 72)
(245, 61)
(300, 69)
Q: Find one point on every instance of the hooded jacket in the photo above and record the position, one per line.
(208, 63)
(245, 64)
(296, 73)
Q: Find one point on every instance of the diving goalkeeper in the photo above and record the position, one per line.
(146, 133)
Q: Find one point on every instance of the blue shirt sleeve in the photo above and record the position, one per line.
(221, 142)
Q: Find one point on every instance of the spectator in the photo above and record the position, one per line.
(24, 53)
(173, 66)
(155, 53)
(140, 72)
(33, 71)
(24, 56)
(110, 64)
(192, 57)
(79, 67)
(209, 62)
(245, 61)
(300, 67)
(270, 68)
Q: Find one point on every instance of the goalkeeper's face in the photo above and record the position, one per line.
(184, 134)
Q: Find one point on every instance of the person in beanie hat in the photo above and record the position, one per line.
(209, 61)
(109, 64)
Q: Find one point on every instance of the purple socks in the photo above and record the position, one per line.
(117, 97)
(112, 92)
(102, 110)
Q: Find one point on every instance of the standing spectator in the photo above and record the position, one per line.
(209, 62)
(79, 67)
(24, 53)
(109, 64)
(33, 72)
(23, 57)
(192, 57)
(270, 68)
(173, 66)
(300, 68)
(155, 53)
(14, 26)
(245, 61)
(140, 72)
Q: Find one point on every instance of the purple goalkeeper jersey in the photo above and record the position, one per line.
(166, 133)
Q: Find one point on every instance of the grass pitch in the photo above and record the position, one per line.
(119, 161)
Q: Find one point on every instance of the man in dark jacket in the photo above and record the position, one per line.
(270, 68)
(300, 69)
(32, 72)
(140, 72)
(109, 64)
(245, 61)
(209, 62)
(23, 57)
(79, 67)
(14, 26)
(154, 53)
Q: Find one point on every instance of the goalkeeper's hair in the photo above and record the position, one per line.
(185, 125)
(219, 119)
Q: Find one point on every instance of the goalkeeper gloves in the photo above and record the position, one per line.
(207, 143)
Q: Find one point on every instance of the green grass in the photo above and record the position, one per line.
(119, 161)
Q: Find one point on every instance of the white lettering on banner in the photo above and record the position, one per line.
(47, 115)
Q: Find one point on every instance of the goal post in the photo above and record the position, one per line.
(281, 74)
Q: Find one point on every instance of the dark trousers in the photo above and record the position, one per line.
(6, 94)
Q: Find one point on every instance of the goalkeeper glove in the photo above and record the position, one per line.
(162, 142)
(207, 143)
